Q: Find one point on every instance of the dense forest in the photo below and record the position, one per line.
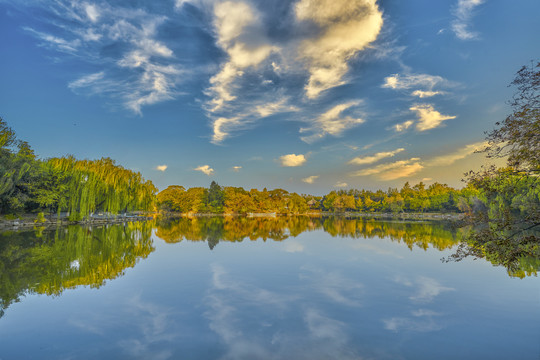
(236, 200)
(78, 187)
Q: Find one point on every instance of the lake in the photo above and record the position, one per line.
(260, 288)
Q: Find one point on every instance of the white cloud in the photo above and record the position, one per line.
(332, 122)
(428, 117)
(464, 13)
(55, 42)
(340, 184)
(401, 82)
(268, 109)
(161, 167)
(179, 3)
(92, 12)
(374, 158)
(222, 127)
(403, 126)
(310, 179)
(392, 171)
(292, 160)
(87, 80)
(449, 159)
(236, 168)
(205, 169)
(143, 69)
(425, 94)
(346, 27)
(239, 34)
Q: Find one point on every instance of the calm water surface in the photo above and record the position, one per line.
(286, 288)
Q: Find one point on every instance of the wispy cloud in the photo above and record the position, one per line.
(346, 27)
(450, 158)
(421, 321)
(87, 80)
(240, 35)
(310, 179)
(244, 118)
(206, 169)
(407, 168)
(161, 167)
(236, 168)
(392, 171)
(428, 117)
(340, 184)
(223, 126)
(376, 157)
(403, 126)
(408, 81)
(139, 70)
(332, 122)
(425, 94)
(292, 160)
(464, 12)
(55, 42)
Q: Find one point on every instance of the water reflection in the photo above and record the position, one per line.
(215, 229)
(48, 262)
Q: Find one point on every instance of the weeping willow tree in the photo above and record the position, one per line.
(101, 185)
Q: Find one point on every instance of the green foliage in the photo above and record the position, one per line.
(40, 218)
(505, 211)
(48, 262)
(80, 187)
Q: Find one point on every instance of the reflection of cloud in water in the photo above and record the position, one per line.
(255, 323)
(428, 289)
(335, 286)
(375, 249)
(150, 329)
(292, 247)
(154, 324)
(422, 321)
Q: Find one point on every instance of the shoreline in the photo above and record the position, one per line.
(27, 222)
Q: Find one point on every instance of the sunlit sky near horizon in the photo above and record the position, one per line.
(306, 95)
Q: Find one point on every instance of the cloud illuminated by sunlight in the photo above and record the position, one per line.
(428, 117)
(374, 158)
(341, 184)
(424, 94)
(403, 126)
(292, 160)
(161, 167)
(449, 159)
(346, 27)
(400, 82)
(332, 122)
(310, 179)
(392, 171)
(236, 168)
(239, 34)
(205, 169)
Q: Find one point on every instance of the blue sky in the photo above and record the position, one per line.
(306, 95)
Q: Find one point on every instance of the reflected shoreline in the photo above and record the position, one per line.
(49, 261)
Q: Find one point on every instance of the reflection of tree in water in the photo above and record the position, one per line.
(214, 229)
(415, 234)
(48, 262)
(233, 229)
